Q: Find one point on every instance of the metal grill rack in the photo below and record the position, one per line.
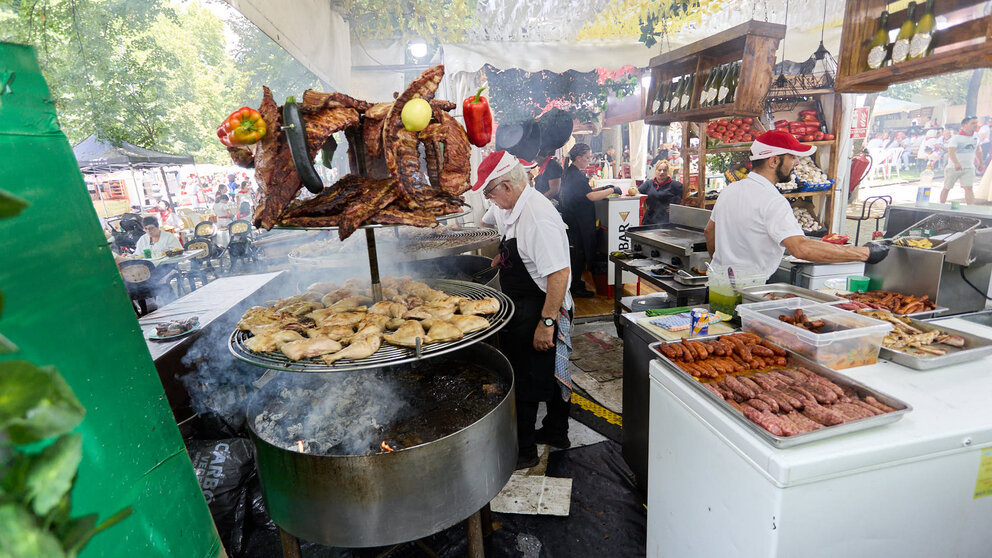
(422, 247)
(439, 218)
(387, 355)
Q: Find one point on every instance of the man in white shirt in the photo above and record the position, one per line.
(156, 239)
(962, 150)
(752, 224)
(533, 271)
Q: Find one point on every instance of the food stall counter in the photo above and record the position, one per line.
(921, 486)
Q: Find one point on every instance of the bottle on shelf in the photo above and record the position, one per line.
(732, 94)
(900, 48)
(673, 91)
(714, 87)
(687, 93)
(659, 98)
(724, 87)
(878, 50)
(706, 87)
(922, 43)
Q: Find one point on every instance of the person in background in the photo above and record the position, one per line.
(985, 142)
(548, 180)
(915, 140)
(225, 212)
(243, 201)
(232, 184)
(943, 144)
(661, 155)
(534, 272)
(962, 151)
(167, 216)
(155, 239)
(577, 199)
(752, 224)
(661, 191)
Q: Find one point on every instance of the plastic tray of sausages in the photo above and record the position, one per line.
(780, 384)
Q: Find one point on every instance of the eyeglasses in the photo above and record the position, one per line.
(489, 191)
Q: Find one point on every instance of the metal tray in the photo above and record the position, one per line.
(756, 294)
(688, 278)
(921, 315)
(826, 432)
(941, 224)
(975, 347)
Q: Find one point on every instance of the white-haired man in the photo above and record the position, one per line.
(534, 271)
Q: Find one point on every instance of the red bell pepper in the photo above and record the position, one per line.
(244, 126)
(478, 119)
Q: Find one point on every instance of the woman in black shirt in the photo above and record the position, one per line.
(579, 214)
(661, 191)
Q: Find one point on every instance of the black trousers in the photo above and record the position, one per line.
(554, 423)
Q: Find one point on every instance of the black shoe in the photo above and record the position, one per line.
(560, 441)
(526, 462)
(582, 292)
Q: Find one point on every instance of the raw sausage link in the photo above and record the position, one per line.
(764, 381)
(750, 384)
(792, 400)
(878, 404)
(823, 415)
(800, 419)
(861, 404)
(739, 388)
(713, 388)
(782, 399)
(772, 403)
(758, 404)
(853, 410)
(763, 420)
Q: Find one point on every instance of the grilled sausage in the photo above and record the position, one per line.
(866, 407)
(759, 405)
(804, 422)
(750, 384)
(669, 352)
(763, 381)
(878, 404)
(783, 400)
(761, 351)
(713, 388)
(768, 399)
(779, 351)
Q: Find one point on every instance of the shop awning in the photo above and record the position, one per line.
(888, 105)
(96, 156)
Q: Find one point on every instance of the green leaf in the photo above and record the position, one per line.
(52, 471)
(81, 530)
(56, 412)
(22, 388)
(22, 537)
(10, 205)
(7, 347)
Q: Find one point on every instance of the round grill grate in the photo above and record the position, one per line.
(387, 355)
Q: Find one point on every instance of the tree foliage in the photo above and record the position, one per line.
(953, 87)
(155, 73)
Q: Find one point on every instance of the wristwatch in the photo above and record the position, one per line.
(548, 322)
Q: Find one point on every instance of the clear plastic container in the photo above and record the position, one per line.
(848, 339)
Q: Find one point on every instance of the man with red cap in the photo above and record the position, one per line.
(752, 224)
(534, 271)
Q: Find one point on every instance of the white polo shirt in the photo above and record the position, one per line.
(752, 219)
(540, 233)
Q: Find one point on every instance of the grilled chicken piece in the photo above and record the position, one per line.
(335, 332)
(488, 305)
(256, 316)
(430, 311)
(388, 308)
(306, 348)
(441, 331)
(342, 318)
(407, 334)
(362, 346)
(377, 321)
(395, 323)
(271, 341)
(324, 288)
(952, 340)
(334, 296)
(350, 304)
(469, 323)
(300, 308)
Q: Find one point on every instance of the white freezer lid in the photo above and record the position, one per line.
(952, 412)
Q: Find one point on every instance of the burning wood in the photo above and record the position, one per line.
(299, 446)
(386, 447)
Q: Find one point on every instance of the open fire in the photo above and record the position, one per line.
(376, 411)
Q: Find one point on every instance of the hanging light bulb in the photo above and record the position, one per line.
(418, 48)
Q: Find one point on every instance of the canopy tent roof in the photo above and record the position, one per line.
(96, 156)
(888, 105)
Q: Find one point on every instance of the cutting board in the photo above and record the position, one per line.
(720, 328)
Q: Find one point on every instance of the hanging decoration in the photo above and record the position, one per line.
(441, 20)
(819, 71)
(649, 20)
(782, 95)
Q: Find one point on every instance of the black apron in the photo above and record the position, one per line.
(579, 214)
(533, 370)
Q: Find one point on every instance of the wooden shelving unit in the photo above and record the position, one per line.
(967, 44)
(754, 43)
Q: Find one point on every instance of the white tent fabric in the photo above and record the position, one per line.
(888, 105)
(310, 30)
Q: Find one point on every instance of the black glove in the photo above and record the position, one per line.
(876, 252)
(617, 191)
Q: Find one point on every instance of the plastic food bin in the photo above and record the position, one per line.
(848, 339)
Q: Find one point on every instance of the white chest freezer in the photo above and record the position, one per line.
(919, 487)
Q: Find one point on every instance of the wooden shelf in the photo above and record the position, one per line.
(747, 147)
(753, 43)
(964, 45)
(796, 195)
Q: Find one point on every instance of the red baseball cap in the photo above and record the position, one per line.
(778, 142)
(528, 164)
(495, 165)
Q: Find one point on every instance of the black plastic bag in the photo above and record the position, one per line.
(224, 469)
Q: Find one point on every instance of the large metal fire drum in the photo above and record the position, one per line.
(358, 501)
